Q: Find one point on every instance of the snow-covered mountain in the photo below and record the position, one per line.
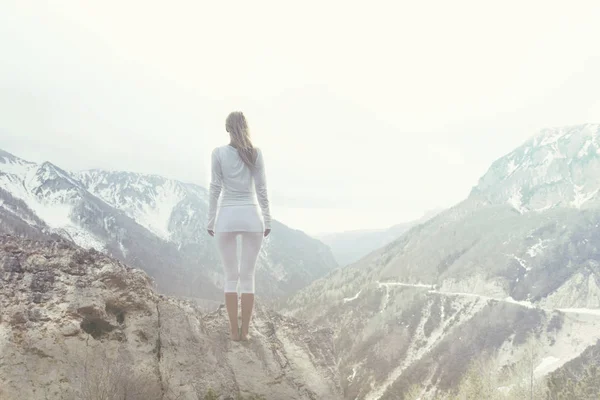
(491, 275)
(556, 168)
(148, 221)
(163, 206)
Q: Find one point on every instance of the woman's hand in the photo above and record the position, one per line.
(267, 231)
(211, 232)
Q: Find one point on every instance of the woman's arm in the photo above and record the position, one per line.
(216, 182)
(260, 184)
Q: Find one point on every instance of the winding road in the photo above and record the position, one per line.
(527, 304)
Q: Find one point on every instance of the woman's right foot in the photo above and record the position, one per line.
(235, 335)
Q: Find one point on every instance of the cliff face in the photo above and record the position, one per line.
(76, 324)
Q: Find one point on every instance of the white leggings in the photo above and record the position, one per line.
(227, 245)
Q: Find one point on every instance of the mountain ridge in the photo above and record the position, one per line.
(151, 222)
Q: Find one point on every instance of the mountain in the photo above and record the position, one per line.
(556, 168)
(151, 222)
(517, 261)
(76, 324)
(351, 246)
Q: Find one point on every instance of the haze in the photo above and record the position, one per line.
(369, 113)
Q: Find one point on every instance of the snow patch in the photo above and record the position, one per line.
(511, 167)
(354, 371)
(55, 215)
(151, 205)
(522, 303)
(585, 149)
(553, 154)
(348, 299)
(552, 136)
(16, 167)
(580, 197)
(26, 181)
(542, 209)
(149, 200)
(157, 218)
(516, 200)
(522, 263)
(123, 249)
(537, 248)
(84, 239)
(51, 207)
(546, 365)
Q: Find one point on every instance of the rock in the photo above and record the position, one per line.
(71, 320)
(70, 329)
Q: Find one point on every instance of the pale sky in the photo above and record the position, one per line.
(368, 113)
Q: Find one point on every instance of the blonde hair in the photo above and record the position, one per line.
(238, 130)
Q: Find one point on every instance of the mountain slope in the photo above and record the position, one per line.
(77, 324)
(579, 378)
(490, 266)
(151, 222)
(349, 247)
(176, 212)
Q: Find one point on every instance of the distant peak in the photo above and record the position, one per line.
(552, 135)
(6, 156)
(48, 170)
(48, 166)
(120, 174)
(556, 167)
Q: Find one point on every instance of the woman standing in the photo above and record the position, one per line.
(238, 197)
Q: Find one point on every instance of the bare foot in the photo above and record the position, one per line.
(235, 335)
(243, 335)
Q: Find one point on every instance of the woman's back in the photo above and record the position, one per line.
(235, 184)
(237, 178)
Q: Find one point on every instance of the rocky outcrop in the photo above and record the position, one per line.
(74, 323)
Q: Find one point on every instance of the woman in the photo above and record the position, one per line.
(238, 173)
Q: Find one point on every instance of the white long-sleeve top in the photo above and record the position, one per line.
(233, 183)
